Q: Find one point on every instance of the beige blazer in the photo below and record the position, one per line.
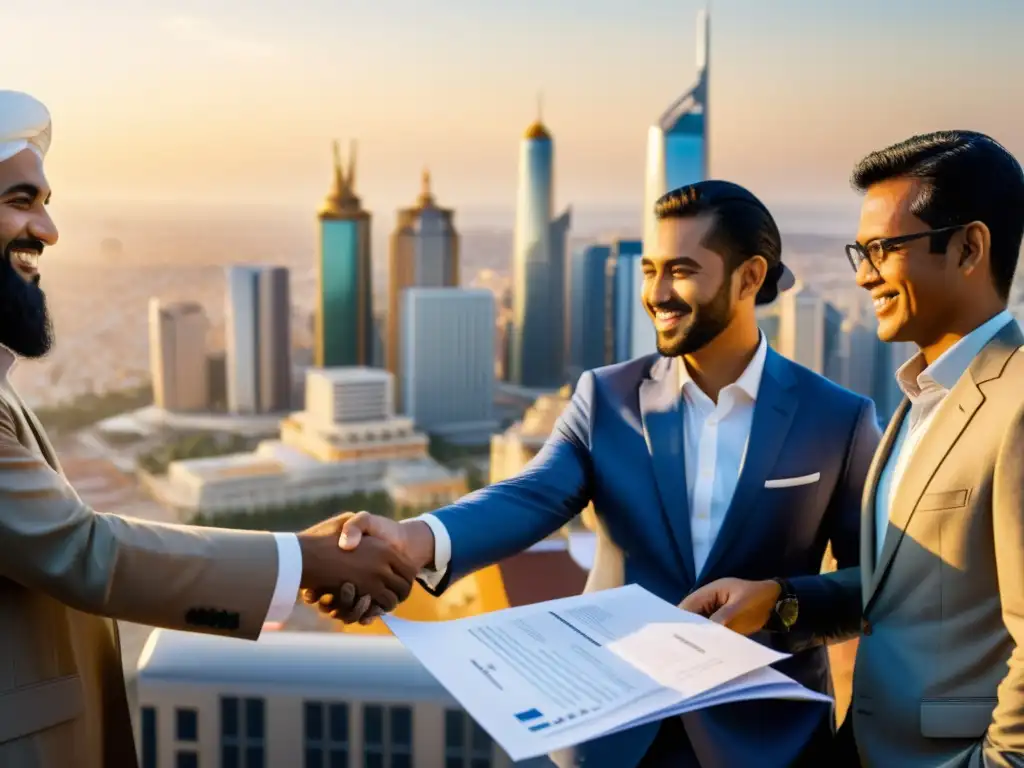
(939, 678)
(67, 572)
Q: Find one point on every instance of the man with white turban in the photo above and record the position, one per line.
(66, 570)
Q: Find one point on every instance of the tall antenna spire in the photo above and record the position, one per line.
(342, 197)
(351, 180)
(540, 106)
(339, 176)
(426, 196)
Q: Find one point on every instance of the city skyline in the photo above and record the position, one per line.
(242, 116)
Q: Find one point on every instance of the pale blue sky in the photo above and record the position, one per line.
(209, 100)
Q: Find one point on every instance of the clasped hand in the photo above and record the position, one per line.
(382, 568)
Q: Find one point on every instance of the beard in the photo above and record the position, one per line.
(25, 326)
(700, 325)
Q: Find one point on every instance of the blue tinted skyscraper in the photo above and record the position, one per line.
(537, 342)
(344, 316)
(587, 310)
(629, 331)
(677, 146)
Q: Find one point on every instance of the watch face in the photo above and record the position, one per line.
(787, 610)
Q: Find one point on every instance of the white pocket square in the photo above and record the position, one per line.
(789, 482)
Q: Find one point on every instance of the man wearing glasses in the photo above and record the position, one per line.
(938, 599)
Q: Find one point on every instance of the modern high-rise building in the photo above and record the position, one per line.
(858, 356)
(586, 307)
(424, 253)
(809, 331)
(177, 355)
(258, 339)
(344, 317)
(537, 344)
(677, 145)
(447, 362)
(629, 331)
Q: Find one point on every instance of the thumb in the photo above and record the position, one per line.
(352, 530)
(726, 614)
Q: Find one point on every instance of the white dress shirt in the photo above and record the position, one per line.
(289, 576)
(716, 438)
(926, 386)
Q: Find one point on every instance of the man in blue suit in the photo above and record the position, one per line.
(716, 457)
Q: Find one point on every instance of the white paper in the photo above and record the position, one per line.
(544, 677)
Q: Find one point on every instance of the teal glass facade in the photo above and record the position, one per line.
(345, 316)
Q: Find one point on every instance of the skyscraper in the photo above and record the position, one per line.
(448, 361)
(537, 349)
(629, 331)
(810, 330)
(258, 340)
(587, 310)
(344, 317)
(677, 145)
(424, 253)
(177, 355)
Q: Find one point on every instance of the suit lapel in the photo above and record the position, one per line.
(773, 416)
(663, 430)
(947, 425)
(868, 539)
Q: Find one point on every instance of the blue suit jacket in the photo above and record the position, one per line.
(619, 443)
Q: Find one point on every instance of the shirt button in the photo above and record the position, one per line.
(865, 626)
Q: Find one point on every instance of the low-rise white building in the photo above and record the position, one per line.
(347, 441)
(300, 698)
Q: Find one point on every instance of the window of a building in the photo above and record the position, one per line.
(387, 736)
(326, 735)
(466, 744)
(148, 737)
(242, 733)
(186, 725)
(186, 732)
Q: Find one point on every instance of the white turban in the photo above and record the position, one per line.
(24, 124)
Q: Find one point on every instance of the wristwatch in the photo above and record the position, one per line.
(786, 610)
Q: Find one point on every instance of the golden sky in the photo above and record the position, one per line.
(227, 100)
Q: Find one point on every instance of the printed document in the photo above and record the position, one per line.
(543, 677)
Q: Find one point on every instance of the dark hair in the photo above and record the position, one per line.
(967, 176)
(742, 227)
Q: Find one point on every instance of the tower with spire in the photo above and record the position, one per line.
(344, 311)
(537, 343)
(424, 253)
(677, 144)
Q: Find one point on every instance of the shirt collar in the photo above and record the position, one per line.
(749, 381)
(914, 376)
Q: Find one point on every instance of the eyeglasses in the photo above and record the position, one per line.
(876, 251)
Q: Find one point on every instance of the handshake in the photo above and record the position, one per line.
(357, 566)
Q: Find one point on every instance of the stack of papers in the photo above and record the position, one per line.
(544, 677)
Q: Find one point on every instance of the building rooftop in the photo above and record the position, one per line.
(230, 465)
(297, 663)
(353, 374)
(537, 132)
(425, 470)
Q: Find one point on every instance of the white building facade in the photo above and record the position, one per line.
(447, 355)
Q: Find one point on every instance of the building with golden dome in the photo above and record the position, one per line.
(537, 340)
(344, 332)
